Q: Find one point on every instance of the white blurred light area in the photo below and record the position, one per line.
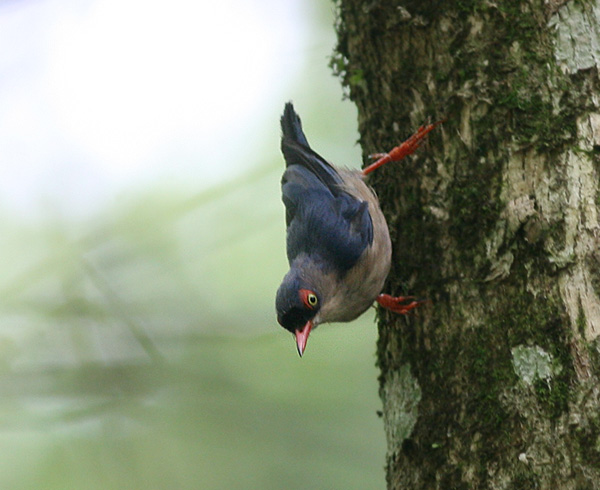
(102, 95)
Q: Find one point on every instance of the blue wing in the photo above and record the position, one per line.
(323, 220)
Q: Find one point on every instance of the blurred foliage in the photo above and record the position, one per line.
(140, 348)
(136, 355)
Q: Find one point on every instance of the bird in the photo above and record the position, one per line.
(337, 241)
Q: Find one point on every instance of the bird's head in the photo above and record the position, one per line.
(298, 304)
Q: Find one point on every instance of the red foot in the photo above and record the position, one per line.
(402, 150)
(399, 304)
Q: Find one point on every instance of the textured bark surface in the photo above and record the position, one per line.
(494, 384)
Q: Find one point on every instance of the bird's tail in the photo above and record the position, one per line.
(297, 151)
(291, 126)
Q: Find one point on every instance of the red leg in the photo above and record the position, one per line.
(402, 150)
(399, 304)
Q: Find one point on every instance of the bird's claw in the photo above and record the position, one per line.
(404, 149)
(399, 304)
(375, 156)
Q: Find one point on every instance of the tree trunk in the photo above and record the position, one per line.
(494, 382)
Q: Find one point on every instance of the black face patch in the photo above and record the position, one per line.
(295, 318)
(292, 311)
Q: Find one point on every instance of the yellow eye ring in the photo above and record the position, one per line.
(308, 298)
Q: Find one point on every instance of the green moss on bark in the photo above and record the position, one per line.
(474, 208)
(489, 68)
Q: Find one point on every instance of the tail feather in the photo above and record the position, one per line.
(291, 126)
(297, 151)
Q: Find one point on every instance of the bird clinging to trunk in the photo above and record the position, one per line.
(338, 243)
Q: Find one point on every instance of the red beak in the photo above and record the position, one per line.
(302, 337)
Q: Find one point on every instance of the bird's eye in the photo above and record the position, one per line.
(309, 298)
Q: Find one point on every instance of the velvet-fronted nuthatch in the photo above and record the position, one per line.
(338, 243)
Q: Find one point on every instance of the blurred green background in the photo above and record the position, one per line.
(143, 241)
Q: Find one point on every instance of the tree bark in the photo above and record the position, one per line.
(494, 382)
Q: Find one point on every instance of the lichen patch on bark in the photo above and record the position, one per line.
(577, 45)
(401, 395)
(532, 363)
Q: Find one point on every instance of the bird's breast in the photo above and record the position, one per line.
(357, 289)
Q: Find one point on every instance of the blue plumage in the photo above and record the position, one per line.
(324, 221)
(338, 242)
